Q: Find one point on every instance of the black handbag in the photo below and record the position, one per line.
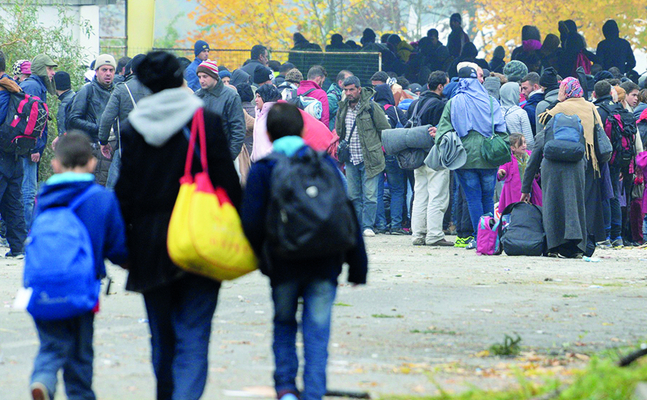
(343, 148)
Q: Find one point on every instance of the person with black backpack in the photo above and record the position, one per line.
(11, 176)
(302, 226)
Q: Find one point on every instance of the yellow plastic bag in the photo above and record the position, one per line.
(205, 235)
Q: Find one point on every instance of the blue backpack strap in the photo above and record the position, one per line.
(74, 204)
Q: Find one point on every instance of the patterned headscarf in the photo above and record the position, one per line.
(573, 87)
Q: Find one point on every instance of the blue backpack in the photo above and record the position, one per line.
(59, 263)
(564, 141)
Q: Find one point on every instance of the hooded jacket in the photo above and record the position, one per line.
(384, 97)
(319, 94)
(99, 213)
(550, 97)
(89, 104)
(370, 125)
(516, 119)
(334, 94)
(154, 153)
(225, 102)
(614, 51)
(36, 85)
(7, 85)
(120, 105)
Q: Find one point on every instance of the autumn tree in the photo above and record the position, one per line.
(500, 21)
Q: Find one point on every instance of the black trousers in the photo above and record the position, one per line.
(11, 208)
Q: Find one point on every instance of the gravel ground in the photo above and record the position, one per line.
(424, 319)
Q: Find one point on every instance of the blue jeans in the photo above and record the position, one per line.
(362, 191)
(478, 186)
(318, 296)
(614, 203)
(180, 317)
(397, 180)
(66, 344)
(29, 183)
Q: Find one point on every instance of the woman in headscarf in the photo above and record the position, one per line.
(516, 119)
(572, 192)
(266, 96)
(474, 115)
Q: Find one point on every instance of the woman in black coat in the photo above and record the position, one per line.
(180, 305)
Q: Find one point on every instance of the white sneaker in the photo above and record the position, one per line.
(368, 232)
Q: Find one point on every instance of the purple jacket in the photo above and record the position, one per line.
(318, 94)
(512, 186)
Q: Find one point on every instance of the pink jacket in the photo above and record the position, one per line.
(641, 162)
(261, 145)
(512, 186)
(316, 135)
(318, 94)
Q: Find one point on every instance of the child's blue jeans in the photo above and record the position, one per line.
(66, 344)
(318, 296)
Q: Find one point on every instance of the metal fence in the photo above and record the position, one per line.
(362, 64)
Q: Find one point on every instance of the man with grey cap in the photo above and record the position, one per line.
(123, 100)
(39, 83)
(87, 109)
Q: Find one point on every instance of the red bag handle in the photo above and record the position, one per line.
(197, 130)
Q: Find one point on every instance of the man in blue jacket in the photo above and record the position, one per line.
(201, 51)
(38, 84)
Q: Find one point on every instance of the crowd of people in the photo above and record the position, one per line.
(132, 119)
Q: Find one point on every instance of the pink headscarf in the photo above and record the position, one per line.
(573, 87)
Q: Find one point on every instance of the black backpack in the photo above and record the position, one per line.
(309, 214)
(522, 230)
(621, 128)
(25, 121)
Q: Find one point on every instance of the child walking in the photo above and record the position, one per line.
(300, 273)
(512, 172)
(67, 343)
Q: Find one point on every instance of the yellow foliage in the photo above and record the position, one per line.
(501, 20)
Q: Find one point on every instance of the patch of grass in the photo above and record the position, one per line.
(569, 295)
(342, 305)
(387, 316)
(434, 332)
(509, 347)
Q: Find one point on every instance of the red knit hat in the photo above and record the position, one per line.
(208, 67)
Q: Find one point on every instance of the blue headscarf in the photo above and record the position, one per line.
(470, 109)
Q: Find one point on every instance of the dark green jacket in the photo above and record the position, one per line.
(472, 142)
(369, 128)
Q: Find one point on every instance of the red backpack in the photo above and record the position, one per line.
(25, 121)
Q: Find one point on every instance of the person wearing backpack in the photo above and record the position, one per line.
(395, 176)
(179, 305)
(303, 228)
(65, 95)
(312, 88)
(39, 83)
(11, 173)
(67, 343)
(570, 180)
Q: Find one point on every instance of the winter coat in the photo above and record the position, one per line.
(154, 152)
(35, 86)
(316, 135)
(384, 97)
(249, 67)
(61, 115)
(614, 51)
(516, 119)
(455, 42)
(472, 143)
(191, 75)
(334, 97)
(370, 125)
(550, 97)
(496, 65)
(430, 116)
(120, 105)
(254, 217)
(318, 94)
(89, 104)
(261, 145)
(225, 102)
(99, 213)
(512, 185)
(531, 109)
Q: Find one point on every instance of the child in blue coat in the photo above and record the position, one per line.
(314, 279)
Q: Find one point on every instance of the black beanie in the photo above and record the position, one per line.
(160, 70)
(62, 81)
(262, 75)
(549, 79)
